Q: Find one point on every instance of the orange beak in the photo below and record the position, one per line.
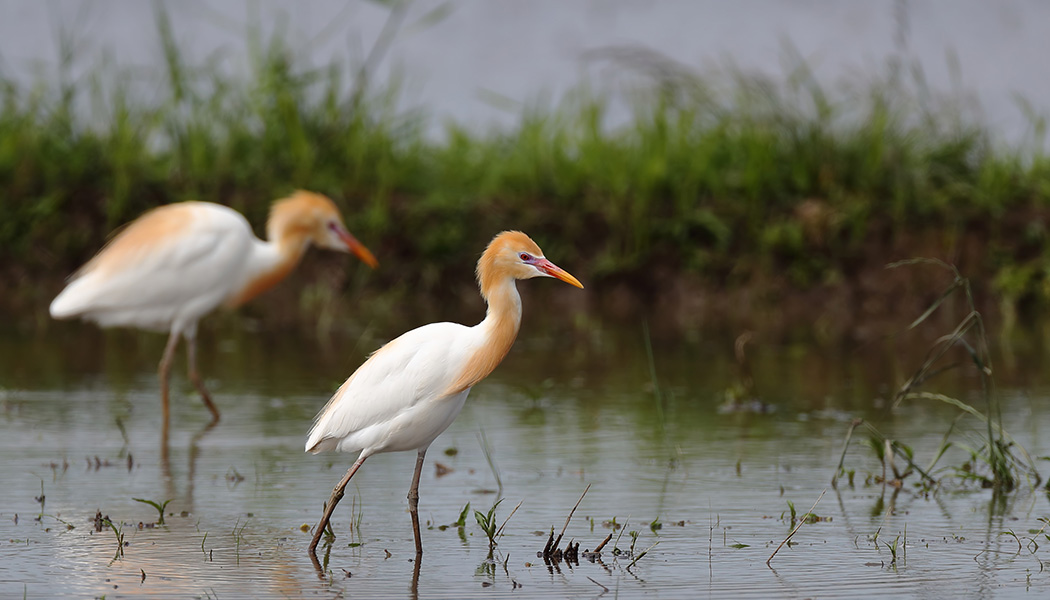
(557, 272)
(359, 249)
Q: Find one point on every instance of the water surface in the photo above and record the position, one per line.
(80, 420)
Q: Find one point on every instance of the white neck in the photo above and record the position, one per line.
(267, 263)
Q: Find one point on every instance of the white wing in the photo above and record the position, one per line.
(397, 400)
(174, 264)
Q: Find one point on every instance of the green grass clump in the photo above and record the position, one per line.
(997, 462)
(724, 177)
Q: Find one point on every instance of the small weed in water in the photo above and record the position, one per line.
(801, 522)
(808, 518)
(1029, 541)
(462, 520)
(69, 526)
(159, 506)
(487, 522)
(460, 524)
(656, 525)
(238, 535)
(119, 533)
(893, 550)
(640, 555)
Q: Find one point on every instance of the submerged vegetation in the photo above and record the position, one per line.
(998, 462)
(722, 182)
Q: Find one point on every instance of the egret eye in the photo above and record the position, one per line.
(525, 257)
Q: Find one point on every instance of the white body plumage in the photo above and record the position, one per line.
(177, 263)
(397, 400)
(187, 269)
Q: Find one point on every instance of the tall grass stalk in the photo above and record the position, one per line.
(1007, 468)
(1007, 463)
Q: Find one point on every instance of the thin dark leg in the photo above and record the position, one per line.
(191, 356)
(413, 502)
(337, 495)
(164, 371)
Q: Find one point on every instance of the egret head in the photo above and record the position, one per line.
(514, 254)
(315, 218)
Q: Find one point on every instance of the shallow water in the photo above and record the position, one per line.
(559, 415)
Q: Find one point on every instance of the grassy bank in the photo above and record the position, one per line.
(722, 194)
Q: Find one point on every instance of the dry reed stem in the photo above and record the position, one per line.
(797, 527)
(599, 547)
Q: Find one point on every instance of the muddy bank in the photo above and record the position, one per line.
(861, 302)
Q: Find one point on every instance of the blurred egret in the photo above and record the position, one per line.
(178, 262)
(411, 389)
